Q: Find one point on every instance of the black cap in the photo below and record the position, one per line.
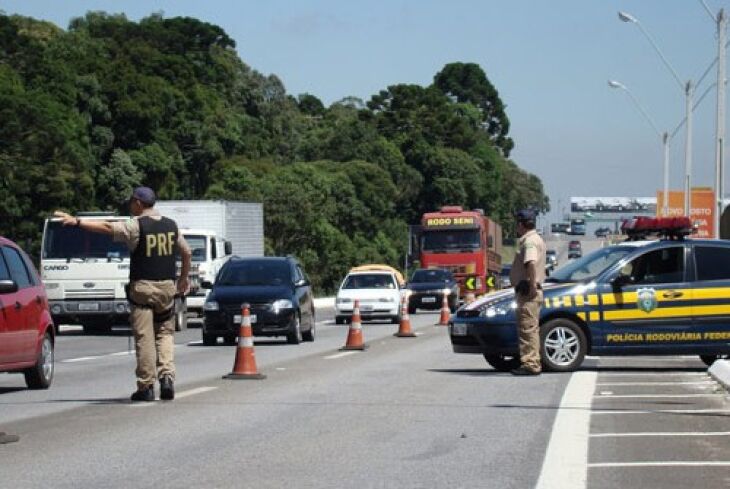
(145, 195)
(525, 215)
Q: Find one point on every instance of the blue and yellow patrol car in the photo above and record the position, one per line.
(668, 296)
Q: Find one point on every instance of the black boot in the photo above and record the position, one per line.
(167, 388)
(146, 394)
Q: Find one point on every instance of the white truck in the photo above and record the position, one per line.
(85, 274)
(215, 229)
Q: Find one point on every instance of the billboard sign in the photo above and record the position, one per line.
(702, 209)
(613, 205)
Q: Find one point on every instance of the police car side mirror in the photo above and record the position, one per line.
(622, 280)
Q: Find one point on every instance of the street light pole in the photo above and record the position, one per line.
(720, 123)
(664, 136)
(688, 92)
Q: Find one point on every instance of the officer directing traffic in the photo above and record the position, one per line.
(152, 241)
(527, 275)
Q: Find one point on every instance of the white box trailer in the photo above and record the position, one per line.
(215, 229)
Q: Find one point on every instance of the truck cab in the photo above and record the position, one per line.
(85, 275)
(209, 252)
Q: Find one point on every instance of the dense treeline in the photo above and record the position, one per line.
(89, 112)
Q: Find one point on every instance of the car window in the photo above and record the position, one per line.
(298, 274)
(657, 267)
(254, 273)
(430, 276)
(713, 262)
(18, 270)
(590, 266)
(369, 281)
(4, 272)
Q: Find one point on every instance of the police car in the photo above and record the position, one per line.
(668, 296)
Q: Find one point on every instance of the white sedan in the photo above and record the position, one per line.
(378, 292)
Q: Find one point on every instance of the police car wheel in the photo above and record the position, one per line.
(710, 359)
(502, 363)
(564, 345)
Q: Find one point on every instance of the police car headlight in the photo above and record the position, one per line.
(494, 311)
(281, 304)
(210, 306)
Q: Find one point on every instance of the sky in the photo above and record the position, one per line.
(550, 60)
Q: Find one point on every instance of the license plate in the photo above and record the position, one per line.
(428, 299)
(458, 329)
(366, 307)
(237, 319)
(89, 306)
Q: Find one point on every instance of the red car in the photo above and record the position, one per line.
(27, 335)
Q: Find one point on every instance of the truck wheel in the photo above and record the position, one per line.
(210, 339)
(563, 345)
(181, 314)
(40, 375)
(502, 363)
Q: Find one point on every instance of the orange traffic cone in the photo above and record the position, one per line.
(404, 328)
(444, 319)
(245, 365)
(354, 334)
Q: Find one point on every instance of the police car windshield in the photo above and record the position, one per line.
(590, 266)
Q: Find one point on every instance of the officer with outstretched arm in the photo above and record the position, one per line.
(527, 275)
(152, 241)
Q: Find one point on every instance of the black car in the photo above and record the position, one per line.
(427, 288)
(278, 293)
(603, 232)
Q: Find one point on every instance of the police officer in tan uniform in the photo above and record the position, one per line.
(152, 240)
(527, 275)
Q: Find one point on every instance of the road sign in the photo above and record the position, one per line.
(490, 281)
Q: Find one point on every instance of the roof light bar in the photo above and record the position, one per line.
(664, 227)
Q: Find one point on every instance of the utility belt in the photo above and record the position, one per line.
(157, 317)
(523, 287)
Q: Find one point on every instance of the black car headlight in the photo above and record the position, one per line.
(280, 304)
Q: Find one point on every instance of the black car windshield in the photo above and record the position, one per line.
(422, 276)
(590, 266)
(259, 272)
(369, 281)
(68, 242)
(453, 240)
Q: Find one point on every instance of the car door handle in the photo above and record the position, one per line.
(672, 294)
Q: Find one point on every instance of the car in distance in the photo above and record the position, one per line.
(574, 249)
(378, 289)
(277, 291)
(504, 281)
(427, 288)
(27, 335)
(602, 232)
(551, 260)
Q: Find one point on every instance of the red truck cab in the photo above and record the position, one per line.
(467, 243)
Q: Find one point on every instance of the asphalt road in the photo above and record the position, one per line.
(406, 413)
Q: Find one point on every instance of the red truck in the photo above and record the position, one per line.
(467, 243)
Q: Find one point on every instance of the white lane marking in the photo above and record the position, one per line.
(665, 411)
(654, 396)
(192, 392)
(80, 359)
(659, 464)
(703, 383)
(679, 433)
(340, 355)
(122, 353)
(566, 458)
(653, 374)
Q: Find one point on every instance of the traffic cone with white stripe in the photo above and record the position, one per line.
(244, 366)
(354, 334)
(404, 328)
(444, 319)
